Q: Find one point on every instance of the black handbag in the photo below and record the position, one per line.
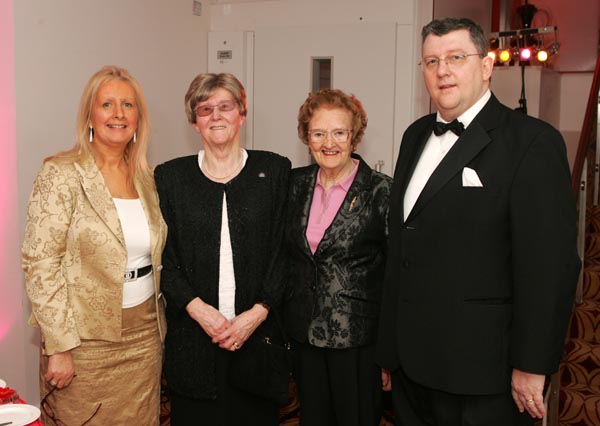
(263, 366)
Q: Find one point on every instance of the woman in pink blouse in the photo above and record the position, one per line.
(336, 240)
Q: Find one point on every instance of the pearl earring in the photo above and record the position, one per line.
(134, 137)
(91, 134)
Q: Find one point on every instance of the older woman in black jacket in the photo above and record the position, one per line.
(225, 208)
(336, 240)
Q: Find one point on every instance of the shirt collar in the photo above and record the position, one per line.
(347, 181)
(469, 115)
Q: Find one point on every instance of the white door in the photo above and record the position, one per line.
(363, 63)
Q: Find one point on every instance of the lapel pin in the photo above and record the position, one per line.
(352, 204)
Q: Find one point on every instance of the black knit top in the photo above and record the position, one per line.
(191, 205)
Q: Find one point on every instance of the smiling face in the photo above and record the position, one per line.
(454, 89)
(219, 127)
(114, 114)
(330, 155)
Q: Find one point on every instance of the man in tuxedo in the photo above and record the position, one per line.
(482, 262)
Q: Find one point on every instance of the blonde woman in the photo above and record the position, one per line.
(91, 256)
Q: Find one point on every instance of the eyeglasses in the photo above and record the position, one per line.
(431, 63)
(50, 412)
(338, 135)
(206, 110)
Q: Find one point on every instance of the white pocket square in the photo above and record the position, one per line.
(470, 178)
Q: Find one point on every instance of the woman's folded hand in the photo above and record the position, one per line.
(242, 327)
(210, 319)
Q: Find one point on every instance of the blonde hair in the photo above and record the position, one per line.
(135, 153)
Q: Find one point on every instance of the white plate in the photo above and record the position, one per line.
(2, 383)
(18, 414)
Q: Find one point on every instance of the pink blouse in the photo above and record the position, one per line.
(325, 205)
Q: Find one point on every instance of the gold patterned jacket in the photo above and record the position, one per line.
(74, 254)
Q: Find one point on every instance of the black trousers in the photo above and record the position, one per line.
(232, 407)
(337, 387)
(417, 405)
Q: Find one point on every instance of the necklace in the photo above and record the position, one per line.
(203, 167)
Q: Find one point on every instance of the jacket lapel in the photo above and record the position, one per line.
(409, 157)
(98, 195)
(351, 207)
(473, 140)
(304, 198)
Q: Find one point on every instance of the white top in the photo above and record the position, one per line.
(226, 272)
(434, 152)
(137, 241)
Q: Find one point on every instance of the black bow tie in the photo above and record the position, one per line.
(454, 126)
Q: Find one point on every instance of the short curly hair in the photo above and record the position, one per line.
(332, 98)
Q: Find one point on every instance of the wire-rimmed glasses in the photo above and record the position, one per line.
(430, 63)
(337, 135)
(206, 110)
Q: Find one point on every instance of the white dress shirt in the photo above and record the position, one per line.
(434, 152)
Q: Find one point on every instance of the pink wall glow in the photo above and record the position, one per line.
(12, 328)
(8, 171)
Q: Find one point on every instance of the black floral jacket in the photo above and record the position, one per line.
(333, 296)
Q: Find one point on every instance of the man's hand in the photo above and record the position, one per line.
(528, 392)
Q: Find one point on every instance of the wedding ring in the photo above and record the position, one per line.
(236, 345)
(52, 383)
(530, 401)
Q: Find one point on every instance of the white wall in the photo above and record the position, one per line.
(575, 91)
(479, 11)
(575, 88)
(411, 99)
(290, 13)
(58, 45)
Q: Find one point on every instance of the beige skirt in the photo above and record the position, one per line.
(122, 378)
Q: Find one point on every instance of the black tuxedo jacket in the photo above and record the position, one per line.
(480, 280)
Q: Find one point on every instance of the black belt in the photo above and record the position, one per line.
(134, 274)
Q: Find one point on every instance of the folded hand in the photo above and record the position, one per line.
(242, 327)
(210, 319)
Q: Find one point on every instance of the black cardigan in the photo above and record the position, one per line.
(192, 208)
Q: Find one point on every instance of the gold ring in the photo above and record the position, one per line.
(236, 345)
(530, 401)
(52, 383)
